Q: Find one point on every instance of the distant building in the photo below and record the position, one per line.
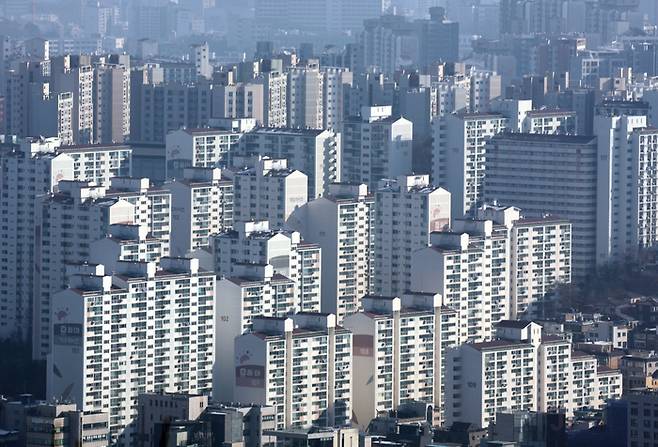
(627, 218)
(267, 189)
(199, 148)
(316, 153)
(376, 145)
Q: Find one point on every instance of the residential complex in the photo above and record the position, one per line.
(168, 344)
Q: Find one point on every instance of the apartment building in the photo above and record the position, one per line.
(158, 107)
(301, 366)
(459, 153)
(399, 353)
(343, 224)
(266, 189)
(50, 113)
(68, 222)
(255, 243)
(408, 209)
(548, 175)
(99, 163)
(202, 148)
(316, 153)
(75, 74)
(275, 98)
(101, 358)
(111, 98)
(125, 242)
(202, 205)
(626, 172)
(489, 377)
(469, 267)
(337, 81)
(252, 290)
(305, 99)
(376, 145)
(524, 370)
(239, 100)
(30, 167)
(539, 257)
(152, 205)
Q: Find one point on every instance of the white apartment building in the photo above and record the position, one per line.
(408, 208)
(316, 96)
(301, 365)
(550, 122)
(522, 118)
(492, 376)
(201, 53)
(305, 97)
(548, 175)
(253, 290)
(342, 223)
(317, 153)
(68, 222)
(448, 95)
(111, 98)
(75, 74)
(399, 353)
(254, 243)
(275, 98)
(627, 215)
(152, 206)
(523, 370)
(142, 330)
(376, 145)
(99, 163)
(241, 100)
(459, 153)
(484, 88)
(29, 168)
(540, 257)
(203, 148)
(267, 190)
(125, 242)
(469, 268)
(337, 81)
(201, 205)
